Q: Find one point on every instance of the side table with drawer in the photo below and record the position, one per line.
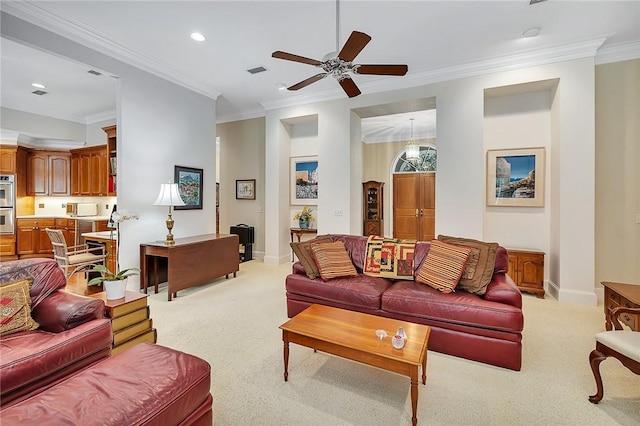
(625, 295)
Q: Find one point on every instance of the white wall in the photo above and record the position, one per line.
(160, 125)
(460, 187)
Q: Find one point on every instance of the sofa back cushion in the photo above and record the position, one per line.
(443, 266)
(479, 270)
(15, 307)
(356, 246)
(46, 275)
(332, 260)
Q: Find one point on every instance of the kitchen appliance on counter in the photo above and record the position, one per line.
(82, 209)
(7, 204)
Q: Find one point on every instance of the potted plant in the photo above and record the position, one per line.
(304, 217)
(115, 283)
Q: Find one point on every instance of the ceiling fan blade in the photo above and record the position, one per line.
(308, 81)
(354, 45)
(295, 58)
(382, 69)
(349, 87)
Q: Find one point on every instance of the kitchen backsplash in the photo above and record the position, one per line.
(58, 205)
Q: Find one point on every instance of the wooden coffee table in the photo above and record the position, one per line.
(352, 335)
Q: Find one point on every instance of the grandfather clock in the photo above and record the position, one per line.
(373, 208)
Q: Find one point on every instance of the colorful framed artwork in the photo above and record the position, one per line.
(304, 180)
(189, 182)
(515, 177)
(245, 189)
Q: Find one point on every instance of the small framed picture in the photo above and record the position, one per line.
(515, 177)
(189, 182)
(246, 189)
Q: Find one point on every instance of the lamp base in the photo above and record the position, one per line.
(169, 241)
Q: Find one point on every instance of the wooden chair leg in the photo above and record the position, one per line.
(595, 358)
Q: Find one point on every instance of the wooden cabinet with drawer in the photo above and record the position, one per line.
(68, 228)
(32, 239)
(624, 295)
(526, 268)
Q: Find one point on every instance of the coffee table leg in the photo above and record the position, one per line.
(285, 340)
(414, 395)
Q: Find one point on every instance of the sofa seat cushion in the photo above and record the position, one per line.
(359, 292)
(415, 299)
(29, 357)
(146, 384)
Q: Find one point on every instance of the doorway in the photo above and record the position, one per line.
(414, 206)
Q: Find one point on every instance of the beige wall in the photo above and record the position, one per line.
(242, 157)
(617, 172)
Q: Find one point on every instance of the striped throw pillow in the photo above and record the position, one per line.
(443, 266)
(333, 260)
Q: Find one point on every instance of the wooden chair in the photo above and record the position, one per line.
(624, 345)
(73, 259)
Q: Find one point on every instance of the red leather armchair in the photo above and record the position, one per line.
(73, 333)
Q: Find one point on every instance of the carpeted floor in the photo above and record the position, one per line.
(233, 324)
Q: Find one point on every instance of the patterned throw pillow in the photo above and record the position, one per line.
(479, 270)
(443, 266)
(15, 307)
(303, 251)
(333, 260)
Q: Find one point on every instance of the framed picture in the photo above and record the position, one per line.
(304, 180)
(246, 189)
(189, 182)
(515, 177)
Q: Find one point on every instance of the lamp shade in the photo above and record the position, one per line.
(169, 196)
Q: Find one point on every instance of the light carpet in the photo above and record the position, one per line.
(233, 324)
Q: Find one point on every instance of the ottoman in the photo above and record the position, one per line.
(147, 384)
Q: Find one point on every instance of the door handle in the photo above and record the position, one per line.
(417, 212)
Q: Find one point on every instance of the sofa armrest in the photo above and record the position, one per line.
(63, 311)
(502, 289)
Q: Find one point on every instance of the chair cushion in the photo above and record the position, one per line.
(625, 342)
(84, 258)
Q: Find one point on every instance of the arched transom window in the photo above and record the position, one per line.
(426, 163)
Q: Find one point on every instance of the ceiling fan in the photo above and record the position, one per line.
(340, 65)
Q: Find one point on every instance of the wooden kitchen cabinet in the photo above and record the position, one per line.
(8, 159)
(48, 173)
(112, 158)
(32, 239)
(68, 228)
(89, 171)
(8, 247)
(526, 268)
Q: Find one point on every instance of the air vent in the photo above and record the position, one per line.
(256, 70)
(39, 92)
(94, 72)
(536, 1)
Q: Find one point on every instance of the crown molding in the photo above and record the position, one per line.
(248, 115)
(101, 116)
(40, 110)
(618, 52)
(40, 15)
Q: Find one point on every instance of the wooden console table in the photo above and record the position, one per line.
(190, 262)
(625, 295)
(298, 233)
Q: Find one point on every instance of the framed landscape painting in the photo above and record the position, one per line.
(304, 180)
(515, 177)
(189, 182)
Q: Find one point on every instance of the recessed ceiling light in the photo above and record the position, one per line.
(197, 37)
(38, 85)
(531, 32)
(281, 86)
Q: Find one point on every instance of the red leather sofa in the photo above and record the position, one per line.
(73, 333)
(484, 328)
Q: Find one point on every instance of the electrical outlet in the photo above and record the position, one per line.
(337, 212)
(106, 206)
(41, 205)
(64, 206)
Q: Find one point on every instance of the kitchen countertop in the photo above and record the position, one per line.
(61, 216)
(102, 235)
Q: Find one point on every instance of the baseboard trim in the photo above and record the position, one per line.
(572, 296)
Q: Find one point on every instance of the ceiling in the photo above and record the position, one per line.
(438, 40)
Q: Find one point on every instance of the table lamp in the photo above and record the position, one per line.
(169, 196)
